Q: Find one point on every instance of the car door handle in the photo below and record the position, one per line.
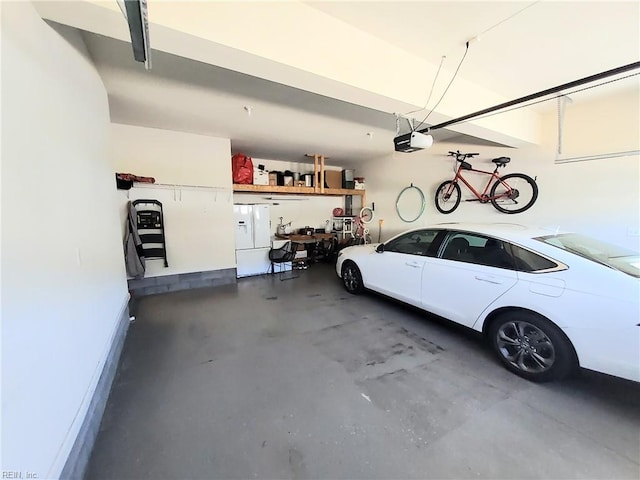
(413, 264)
(494, 280)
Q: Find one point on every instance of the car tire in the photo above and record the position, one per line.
(531, 346)
(352, 278)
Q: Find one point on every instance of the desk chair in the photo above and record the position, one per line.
(325, 250)
(281, 255)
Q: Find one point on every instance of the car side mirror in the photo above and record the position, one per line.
(380, 248)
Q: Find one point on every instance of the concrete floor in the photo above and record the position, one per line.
(298, 379)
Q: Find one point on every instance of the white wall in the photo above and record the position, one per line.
(197, 220)
(171, 157)
(603, 125)
(63, 280)
(599, 197)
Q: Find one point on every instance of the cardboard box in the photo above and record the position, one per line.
(273, 179)
(288, 181)
(260, 177)
(332, 178)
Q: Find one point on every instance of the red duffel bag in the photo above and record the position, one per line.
(242, 168)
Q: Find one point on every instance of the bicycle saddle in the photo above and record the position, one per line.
(501, 160)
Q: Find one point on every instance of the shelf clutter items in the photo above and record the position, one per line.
(250, 178)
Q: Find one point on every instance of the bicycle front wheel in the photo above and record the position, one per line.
(448, 197)
(514, 193)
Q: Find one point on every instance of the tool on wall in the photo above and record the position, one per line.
(150, 222)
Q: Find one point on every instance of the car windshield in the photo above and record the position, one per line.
(613, 256)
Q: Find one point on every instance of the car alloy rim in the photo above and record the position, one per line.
(526, 347)
(350, 279)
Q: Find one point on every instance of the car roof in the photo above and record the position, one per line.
(505, 230)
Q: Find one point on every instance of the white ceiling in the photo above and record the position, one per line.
(523, 48)
(285, 123)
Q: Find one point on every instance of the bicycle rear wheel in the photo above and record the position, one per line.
(448, 197)
(514, 193)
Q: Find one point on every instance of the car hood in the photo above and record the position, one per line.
(359, 250)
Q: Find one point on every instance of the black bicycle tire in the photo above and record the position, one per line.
(457, 203)
(526, 178)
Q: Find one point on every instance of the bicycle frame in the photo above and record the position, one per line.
(482, 197)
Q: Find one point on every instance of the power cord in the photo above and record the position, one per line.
(466, 50)
(476, 38)
(431, 91)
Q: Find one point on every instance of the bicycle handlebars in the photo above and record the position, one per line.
(461, 156)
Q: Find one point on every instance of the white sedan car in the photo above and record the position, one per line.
(547, 302)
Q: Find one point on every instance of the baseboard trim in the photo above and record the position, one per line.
(78, 459)
(182, 281)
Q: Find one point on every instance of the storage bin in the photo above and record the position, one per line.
(260, 177)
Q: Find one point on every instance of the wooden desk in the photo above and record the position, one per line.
(315, 238)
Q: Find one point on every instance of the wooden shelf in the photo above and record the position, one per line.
(318, 190)
(296, 190)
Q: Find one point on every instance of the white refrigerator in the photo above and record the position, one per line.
(253, 239)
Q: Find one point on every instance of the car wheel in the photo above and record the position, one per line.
(531, 346)
(352, 278)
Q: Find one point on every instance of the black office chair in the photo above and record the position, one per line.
(281, 255)
(325, 250)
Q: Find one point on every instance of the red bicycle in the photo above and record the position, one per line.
(513, 193)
